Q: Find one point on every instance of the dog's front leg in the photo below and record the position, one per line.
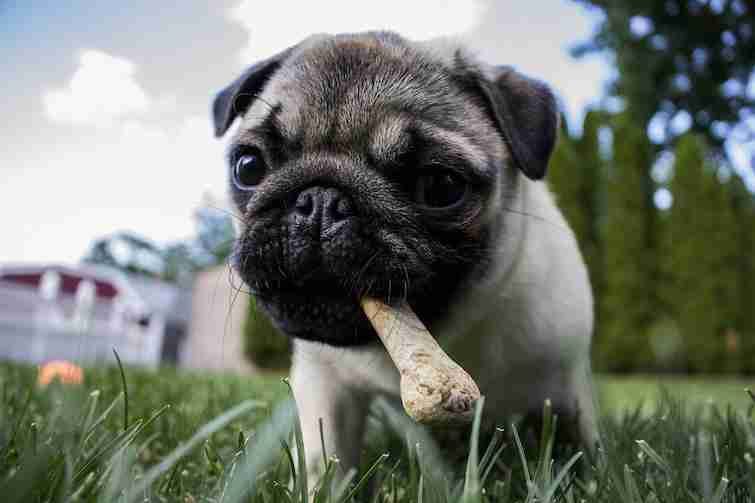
(321, 395)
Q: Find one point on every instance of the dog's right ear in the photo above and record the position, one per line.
(236, 99)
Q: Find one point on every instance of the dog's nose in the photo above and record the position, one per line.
(321, 208)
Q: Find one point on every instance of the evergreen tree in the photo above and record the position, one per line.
(702, 261)
(748, 295)
(264, 345)
(680, 57)
(564, 179)
(128, 252)
(575, 178)
(744, 213)
(592, 166)
(628, 301)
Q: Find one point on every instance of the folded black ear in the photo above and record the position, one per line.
(236, 99)
(526, 114)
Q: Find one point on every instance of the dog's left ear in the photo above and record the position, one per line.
(236, 99)
(526, 114)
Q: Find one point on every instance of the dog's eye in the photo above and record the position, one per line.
(248, 171)
(439, 190)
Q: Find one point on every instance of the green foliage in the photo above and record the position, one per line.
(69, 443)
(564, 179)
(677, 56)
(179, 262)
(575, 176)
(593, 165)
(674, 289)
(175, 262)
(264, 345)
(628, 303)
(193, 438)
(126, 251)
(215, 235)
(743, 207)
(701, 256)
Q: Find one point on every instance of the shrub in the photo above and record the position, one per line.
(264, 345)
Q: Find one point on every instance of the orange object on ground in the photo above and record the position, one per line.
(67, 372)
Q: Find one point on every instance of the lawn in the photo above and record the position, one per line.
(619, 393)
(191, 437)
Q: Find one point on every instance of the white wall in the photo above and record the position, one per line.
(217, 319)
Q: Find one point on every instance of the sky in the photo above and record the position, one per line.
(106, 105)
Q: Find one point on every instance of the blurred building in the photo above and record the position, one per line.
(80, 313)
(219, 308)
(172, 304)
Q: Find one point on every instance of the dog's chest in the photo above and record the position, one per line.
(366, 369)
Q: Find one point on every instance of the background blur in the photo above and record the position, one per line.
(116, 228)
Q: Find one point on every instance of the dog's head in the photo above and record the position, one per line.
(369, 165)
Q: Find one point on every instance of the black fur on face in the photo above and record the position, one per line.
(345, 129)
(310, 278)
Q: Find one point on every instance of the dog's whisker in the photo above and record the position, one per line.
(362, 271)
(406, 283)
(224, 211)
(536, 217)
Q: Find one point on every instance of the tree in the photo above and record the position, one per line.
(215, 232)
(743, 205)
(564, 177)
(180, 262)
(177, 261)
(264, 345)
(681, 61)
(127, 251)
(575, 176)
(701, 255)
(628, 304)
(591, 193)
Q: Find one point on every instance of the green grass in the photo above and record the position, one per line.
(189, 437)
(618, 393)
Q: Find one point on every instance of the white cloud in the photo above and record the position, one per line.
(533, 39)
(102, 90)
(273, 26)
(536, 39)
(141, 167)
(147, 170)
(138, 176)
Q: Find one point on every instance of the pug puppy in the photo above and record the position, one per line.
(367, 164)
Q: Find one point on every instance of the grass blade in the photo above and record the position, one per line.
(264, 446)
(561, 474)
(472, 477)
(631, 491)
(205, 431)
(363, 480)
(522, 456)
(125, 390)
(718, 496)
(653, 455)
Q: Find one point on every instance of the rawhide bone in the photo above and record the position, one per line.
(434, 388)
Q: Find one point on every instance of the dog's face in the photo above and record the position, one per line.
(368, 165)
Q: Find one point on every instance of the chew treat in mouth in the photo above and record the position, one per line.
(434, 388)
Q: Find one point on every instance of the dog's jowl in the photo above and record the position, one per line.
(410, 172)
